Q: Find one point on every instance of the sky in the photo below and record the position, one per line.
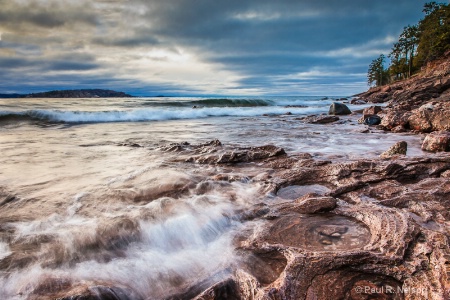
(197, 47)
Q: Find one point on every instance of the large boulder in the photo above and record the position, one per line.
(393, 119)
(372, 120)
(437, 141)
(430, 117)
(337, 108)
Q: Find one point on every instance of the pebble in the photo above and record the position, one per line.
(326, 242)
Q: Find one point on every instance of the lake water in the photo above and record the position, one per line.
(88, 190)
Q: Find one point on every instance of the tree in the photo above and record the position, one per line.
(403, 52)
(410, 39)
(430, 7)
(376, 73)
(416, 46)
(434, 32)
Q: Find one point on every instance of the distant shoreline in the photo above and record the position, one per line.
(82, 93)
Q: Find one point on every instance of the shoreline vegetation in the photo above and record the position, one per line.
(417, 46)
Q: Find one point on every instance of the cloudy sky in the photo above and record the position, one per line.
(196, 47)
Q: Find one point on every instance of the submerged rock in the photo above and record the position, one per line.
(64, 290)
(237, 155)
(103, 293)
(320, 119)
(339, 109)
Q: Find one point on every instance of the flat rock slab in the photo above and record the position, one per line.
(293, 192)
(315, 204)
(320, 119)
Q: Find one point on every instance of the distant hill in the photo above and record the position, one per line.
(85, 93)
(12, 96)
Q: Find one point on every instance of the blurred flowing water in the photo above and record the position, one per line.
(90, 198)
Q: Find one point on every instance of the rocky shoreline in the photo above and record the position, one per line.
(373, 228)
(379, 228)
(361, 229)
(419, 104)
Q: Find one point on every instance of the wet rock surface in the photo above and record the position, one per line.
(437, 141)
(376, 243)
(310, 204)
(357, 229)
(375, 229)
(214, 152)
(337, 108)
(371, 120)
(320, 119)
(399, 148)
(372, 110)
(317, 233)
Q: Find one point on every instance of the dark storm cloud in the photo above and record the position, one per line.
(269, 44)
(134, 41)
(257, 28)
(260, 39)
(42, 14)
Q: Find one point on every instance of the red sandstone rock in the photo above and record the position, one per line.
(437, 141)
(399, 148)
(430, 117)
(320, 119)
(394, 119)
(398, 129)
(372, 110)
(388, 230)
(312, 205)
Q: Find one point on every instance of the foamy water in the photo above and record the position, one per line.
(92, 208)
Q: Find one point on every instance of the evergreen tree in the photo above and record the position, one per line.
(417, 45)
(376, 73)
(403, 52)
(434, 32)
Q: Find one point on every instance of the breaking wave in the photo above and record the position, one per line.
(215, 102)
(148, 114)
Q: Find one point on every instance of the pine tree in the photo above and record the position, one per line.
(417, 45)
(376, 73)
(403, 52)
(434, 32)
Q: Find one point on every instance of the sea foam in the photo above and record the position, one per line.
(156, 114)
